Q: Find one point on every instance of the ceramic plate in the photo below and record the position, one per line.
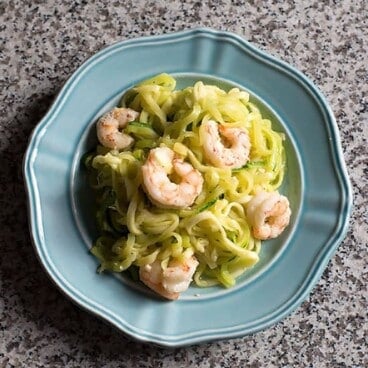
(316, 183)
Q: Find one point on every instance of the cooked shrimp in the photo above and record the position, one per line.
(269, 214)
(108, 126)
(161, 163)
(169, 282)
(231, 149)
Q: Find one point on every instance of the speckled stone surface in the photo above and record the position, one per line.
(41, 45)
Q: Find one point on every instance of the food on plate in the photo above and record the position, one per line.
(161, 190)
(269, 214)
(109, 125)
(224, 146)
(171, 280)
(186, 183)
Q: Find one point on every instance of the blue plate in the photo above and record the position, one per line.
(316, 183)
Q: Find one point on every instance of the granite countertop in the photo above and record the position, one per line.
(41, 45)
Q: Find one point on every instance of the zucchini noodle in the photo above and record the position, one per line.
(134, 232)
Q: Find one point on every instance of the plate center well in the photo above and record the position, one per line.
(82, 196)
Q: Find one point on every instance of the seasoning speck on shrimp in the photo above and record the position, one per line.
(164, 193)
(269, 214)
(171, 281)
(109, 125)
(224, 146)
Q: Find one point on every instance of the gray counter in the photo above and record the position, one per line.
(42, 44)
